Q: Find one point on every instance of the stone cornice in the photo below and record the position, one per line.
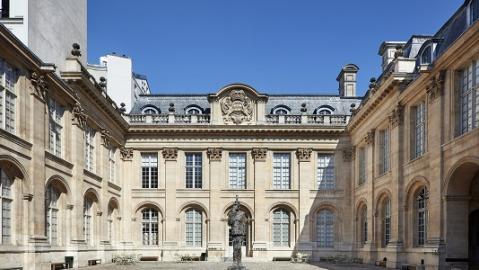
(235, 130)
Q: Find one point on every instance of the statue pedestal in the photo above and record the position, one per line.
(236, 267)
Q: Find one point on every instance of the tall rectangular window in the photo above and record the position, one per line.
(89, 149)
(281, 228)
(281, 171)
(194, 172)
(52, 215)
(194, 228)
(473, 11)
(326, 178)
(8, 96)
(418, 128)
(6, 200)
(87, 221)
(469, 97)
(383, 151)
(55, 127)
(112, 163)
(361, 165)
(237, 170)
(149, 170)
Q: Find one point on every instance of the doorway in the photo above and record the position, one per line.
(474, 240)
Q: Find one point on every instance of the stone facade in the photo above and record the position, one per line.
(391, 178)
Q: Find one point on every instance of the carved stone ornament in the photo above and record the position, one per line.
(214, 154)
(170, 153)
(105, 137)
(237, 108)
(369, 139)
(259, 154)
(436, 86)
(78, 115)
(396, 116)
(304, 154)
(40, 85)
(126, 153)
(348, 154)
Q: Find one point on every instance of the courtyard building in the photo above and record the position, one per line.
(391, 177)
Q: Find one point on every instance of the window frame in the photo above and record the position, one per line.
(283, 224)
(90, 136)
(386, 222)
(418, 125)
(237, 168)
(194, 223)
(6, 200)
(150, 227)
(196, 181)
(325, 228)
(384, 143)
(326, 171)
(468, 97)
(8, 96)
(88, 224)
(112, 164)
(52, 214)
(362, 165)
(55, 127)
(150, 164)
(284, 181)
(421, 215)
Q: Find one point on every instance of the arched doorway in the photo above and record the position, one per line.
(247, 245)
(462, 216)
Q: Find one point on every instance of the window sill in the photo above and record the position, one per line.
(281, 190)
(15, 139)
(92, 175)
(58, 159)
(413, 160)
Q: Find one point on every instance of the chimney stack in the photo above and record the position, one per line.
(347, 79)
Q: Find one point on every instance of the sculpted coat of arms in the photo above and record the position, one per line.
(237, 107)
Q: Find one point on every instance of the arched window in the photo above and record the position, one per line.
(324, 111)
(193, 110)
(363, 219)
(150, 227)
(325, 228)
(88, 220)
(194, 228)
(421, 216)
(281, 227)
(426, 56)
(51, 215)
(149, 110)
(386, 218)
(6, 200)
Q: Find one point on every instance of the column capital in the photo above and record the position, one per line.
(259, 154)
(369, 139)
(436, 86)
(349, 153)
(214, 154)
(126, 153)
(40, 86)
(79, 116)
(304, 154)
(170, 153)
(396, 116)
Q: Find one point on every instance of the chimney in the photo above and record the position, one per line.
(387, 51)
(347, 79)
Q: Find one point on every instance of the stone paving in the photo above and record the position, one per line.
(223, 266)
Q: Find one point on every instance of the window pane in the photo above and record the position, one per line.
(325, 228)
(149, 170)
(237, 170)
(281, 171)
(325, 176)
(194, 177)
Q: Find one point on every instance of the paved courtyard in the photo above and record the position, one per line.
(223, 266)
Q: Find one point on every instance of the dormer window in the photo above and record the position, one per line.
(280, 110)
(473, 11)
(426, 56)
(193, 109)
(150, 110)
(324, 110)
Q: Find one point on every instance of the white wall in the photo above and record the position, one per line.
(53, 27)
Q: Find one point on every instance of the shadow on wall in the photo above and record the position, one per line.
(325, 210)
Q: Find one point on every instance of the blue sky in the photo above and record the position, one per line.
(276, 46)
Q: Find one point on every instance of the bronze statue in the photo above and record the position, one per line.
(237, 222)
